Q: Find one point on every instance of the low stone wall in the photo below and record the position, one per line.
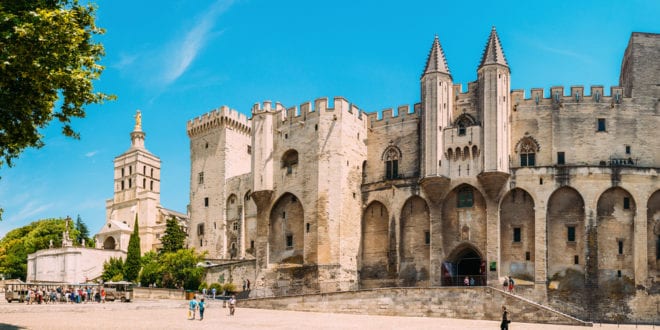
(480, 303)
(158, 293)
(234, 271)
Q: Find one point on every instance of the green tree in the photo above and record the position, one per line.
(133, 256)
(18, 243)
(174, 237)
(113, 269)
(83, 233)
(152, 271)
(180, 269)
(48, 57)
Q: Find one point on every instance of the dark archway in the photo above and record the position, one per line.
(465, 261)
(109, 243)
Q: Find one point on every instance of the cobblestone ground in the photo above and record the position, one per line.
(172, 314)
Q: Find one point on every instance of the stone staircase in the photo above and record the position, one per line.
(478, 302)
(544, 307)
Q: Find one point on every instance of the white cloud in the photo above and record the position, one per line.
(91, 153)
(125, 61)
(183, 52)
(29, 211)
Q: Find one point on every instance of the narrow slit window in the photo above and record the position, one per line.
(516, 235)
(570, 236)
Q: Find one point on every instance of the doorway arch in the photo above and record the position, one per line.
(465, 260)
(109, 243)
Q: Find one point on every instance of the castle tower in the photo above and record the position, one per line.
(136, 192)
(436, 85)
(220, 148)
(494, 105)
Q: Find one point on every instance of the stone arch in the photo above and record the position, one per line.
(415, 241)
(475, 152)
(466, 152)
(289, 160)
(616, 210)
(375, 242)
(565, 216)
(653, 229)
(457, 154)
(466, 259)
(517, 234)
(463, 121)
(286, 234)
(464, 207)
(109, 243)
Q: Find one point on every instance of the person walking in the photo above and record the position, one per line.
(505, 284)
(232, 305)
(201, 306)
(511, 284)
(505, 319)
(192, 306)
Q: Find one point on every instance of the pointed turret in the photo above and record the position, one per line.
(437, 106)
(436, 61)
(493, 54)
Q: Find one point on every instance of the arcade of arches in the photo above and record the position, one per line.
(405, 244)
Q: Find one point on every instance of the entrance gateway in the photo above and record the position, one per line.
(464, 261)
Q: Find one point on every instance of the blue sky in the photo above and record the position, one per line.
(175, 60)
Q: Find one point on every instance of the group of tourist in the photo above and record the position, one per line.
(508, 284)
(194, 306)
(38, 295)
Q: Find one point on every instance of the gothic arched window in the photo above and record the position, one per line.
(391, 157)
(527, 148)
(463, 121)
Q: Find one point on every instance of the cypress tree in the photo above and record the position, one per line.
(132, 264)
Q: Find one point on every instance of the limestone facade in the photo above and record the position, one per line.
(485, 182)
(136, 195)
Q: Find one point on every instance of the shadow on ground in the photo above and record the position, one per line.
(5, 326)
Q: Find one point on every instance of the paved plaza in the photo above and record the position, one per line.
(172, 314)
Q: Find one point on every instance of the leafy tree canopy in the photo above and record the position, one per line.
(180, 269)
(113, 269)
(18, 243)
(47, 56)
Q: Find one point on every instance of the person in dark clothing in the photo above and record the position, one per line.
(505, 319)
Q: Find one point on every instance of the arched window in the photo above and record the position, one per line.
(527, 148)
(463, 121)
(289, 160)
(391, 156)
(247, 195)
(466, 153)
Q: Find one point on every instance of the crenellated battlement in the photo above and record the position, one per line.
(310, 110)
(387, 117)
(557, 96)
(224, 116)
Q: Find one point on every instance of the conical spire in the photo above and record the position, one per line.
(493, 54)
(436, 61)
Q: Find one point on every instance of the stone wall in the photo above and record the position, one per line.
(158, 293)
(232, 272)
(480, 303)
